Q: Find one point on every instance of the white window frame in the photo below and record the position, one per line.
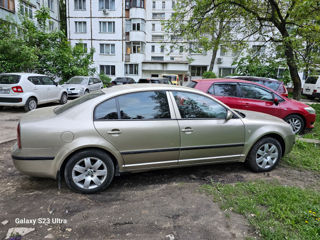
(80, 27)
(107, 49)
(131, 69)
(80, 5)
(108, 68)
(50, 4)
(107, 5)
(109, 26)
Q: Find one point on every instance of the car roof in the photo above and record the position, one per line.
(235, 80)
(254, 78)
(24, 74)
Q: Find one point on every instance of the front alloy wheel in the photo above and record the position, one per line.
(296, 123)
(264, 155)
(89, 171)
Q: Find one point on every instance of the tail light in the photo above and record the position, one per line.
(18, 136)
(315, 91)
(17, 89)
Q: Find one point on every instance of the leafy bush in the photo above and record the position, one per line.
(105, 79)
(209, 74)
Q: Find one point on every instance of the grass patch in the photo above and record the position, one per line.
(315, 133)
(304, 155)
(276, 211)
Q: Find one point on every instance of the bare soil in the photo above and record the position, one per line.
(164, 204)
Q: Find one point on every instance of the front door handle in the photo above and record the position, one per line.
(114, 132)
(187, 130)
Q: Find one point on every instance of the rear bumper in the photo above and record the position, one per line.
(313, 94)
(33, 166)
(12, 101)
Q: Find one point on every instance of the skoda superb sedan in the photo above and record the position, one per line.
(141, 127)
(251, 96)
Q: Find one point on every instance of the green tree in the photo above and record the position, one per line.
(209, 74)
(38, 50)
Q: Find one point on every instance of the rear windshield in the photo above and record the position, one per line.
(77, 80)
(9, 79)
(311, 80)
(192, 84)
(78, 101)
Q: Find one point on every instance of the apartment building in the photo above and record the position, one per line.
(129, 40)
(11, 9)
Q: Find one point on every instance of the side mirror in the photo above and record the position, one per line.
(90, 83)
(276, 101)
(229, 115)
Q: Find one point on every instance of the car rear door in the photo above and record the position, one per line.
(140, 126)
(205, 134)
(256, 98)
(52, 90)
(40, 90)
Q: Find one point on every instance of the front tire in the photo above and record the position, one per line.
(296, 123)
(89, 171)
(64, 98)
(264, 155)
(31, 104)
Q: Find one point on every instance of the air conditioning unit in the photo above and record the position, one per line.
(219, 60)
(105, 12)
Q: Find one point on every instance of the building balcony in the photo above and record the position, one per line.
(137, 57)
(137, 36)
(137, 13)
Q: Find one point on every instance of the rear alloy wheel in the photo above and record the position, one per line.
(31, 104)
(89, 171)
(296, 123)
(64, 98)
(86, 91)
(264, 155)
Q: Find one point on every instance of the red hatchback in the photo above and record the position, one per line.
(247, 95)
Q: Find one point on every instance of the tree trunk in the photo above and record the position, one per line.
(213, 59)
(293, 69)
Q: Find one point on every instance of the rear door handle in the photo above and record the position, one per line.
(187, 130)
(114, 132)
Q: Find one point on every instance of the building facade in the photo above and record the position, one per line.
(11, 10)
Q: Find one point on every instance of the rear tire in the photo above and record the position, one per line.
(89, 171)
(310, 97)
(64, 98)
(86, 92)
(264, 155)
(31, 104)
(296, 122)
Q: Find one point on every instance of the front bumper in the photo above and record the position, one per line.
(310, 120)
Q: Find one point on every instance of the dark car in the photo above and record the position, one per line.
(122, 80)
(155, 80)
(274, 84)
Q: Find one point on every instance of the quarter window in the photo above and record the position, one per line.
(196, 106)
(144, 105)
(253, 92)
(106, 110)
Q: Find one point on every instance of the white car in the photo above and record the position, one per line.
(29, 90)
(311, 87)
(80, 85)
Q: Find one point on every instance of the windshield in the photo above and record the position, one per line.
(78, 101)
(77, 80)
(311, 80)
(9, 79)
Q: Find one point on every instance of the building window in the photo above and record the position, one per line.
(153, 48)
(153, 27)
(26, 10)
(107, 4)
(157, 58)
(173, 4)
(51, 26)
(107, 49)
(106, 27)
(131, 69)
(158, 15)
(81, 27)
(82, 46)
(135, 47)
(138, 25)
(225, 71)
(196, 48)
(198, 70)
(163, 5)
(154, 4)
(162, 49)
(50, 4)
(79, 4)
(181, 49)
(137, 3)
(157, 37)
(7, 4)
(108, 70)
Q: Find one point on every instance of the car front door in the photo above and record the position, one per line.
(140, 126)
(91, 85)
(256, 98)
(206, 135)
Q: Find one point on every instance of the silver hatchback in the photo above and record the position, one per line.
(141, 127)
(80, 85)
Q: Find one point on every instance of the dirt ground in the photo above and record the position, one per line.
(166, 204)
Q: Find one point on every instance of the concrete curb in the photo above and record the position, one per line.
(308, 140)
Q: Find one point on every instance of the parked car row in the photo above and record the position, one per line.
(241, 94)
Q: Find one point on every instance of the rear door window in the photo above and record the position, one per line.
(35, 80)
(9, 79)
(311, 80)
(144, 105)
(255, 92)
(224, 89)
(47, 81)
